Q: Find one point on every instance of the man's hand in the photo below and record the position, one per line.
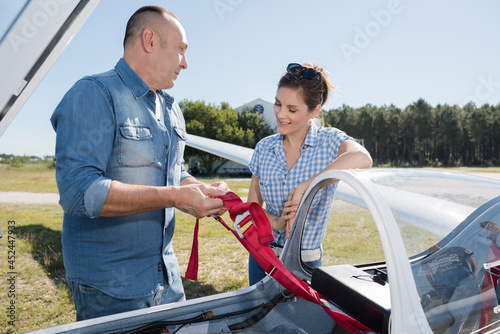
(200, 200)
(221, 185)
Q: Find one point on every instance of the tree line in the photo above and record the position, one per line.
(418, 135)
(422, 135)
(21, 160)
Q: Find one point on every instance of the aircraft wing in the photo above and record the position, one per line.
(33, 42)
(239, 154)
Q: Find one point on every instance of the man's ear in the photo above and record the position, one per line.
(147, 39)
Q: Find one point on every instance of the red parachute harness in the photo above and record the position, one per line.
(256, 240)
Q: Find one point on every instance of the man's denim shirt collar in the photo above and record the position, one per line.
(138, 87)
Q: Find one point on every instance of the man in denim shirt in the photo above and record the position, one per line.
(119, 170)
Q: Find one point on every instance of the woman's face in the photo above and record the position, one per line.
(292, 114)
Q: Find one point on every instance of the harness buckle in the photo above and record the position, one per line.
(239, 218)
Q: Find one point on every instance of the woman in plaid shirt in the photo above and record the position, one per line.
(284, 165)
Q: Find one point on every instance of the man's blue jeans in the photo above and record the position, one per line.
(92, 303)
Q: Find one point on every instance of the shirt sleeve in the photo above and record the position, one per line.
(85, 127)
(184, 173)
(95, 196)
(336, 138)
(254, 162)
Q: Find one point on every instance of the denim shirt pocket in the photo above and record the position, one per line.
(136, 146)
(181, 144)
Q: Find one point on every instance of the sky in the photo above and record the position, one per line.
(377, 52)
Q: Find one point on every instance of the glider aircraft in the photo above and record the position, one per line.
(429, 240)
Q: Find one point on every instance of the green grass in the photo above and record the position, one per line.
(362, 244)
(41, 295)
(28, 178)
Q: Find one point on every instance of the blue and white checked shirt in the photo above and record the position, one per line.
(268, 163)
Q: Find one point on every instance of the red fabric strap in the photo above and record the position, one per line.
(256, 240)
(192, 269)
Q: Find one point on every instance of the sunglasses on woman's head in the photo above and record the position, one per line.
(297, 69)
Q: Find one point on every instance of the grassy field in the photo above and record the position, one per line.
(41, 296)
(30, 178)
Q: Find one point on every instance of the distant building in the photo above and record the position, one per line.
(262, 107)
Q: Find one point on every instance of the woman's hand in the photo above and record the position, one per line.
(299, 192)
(295, 197)
(288, 213)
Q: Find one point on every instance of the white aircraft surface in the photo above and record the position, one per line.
(413, 227)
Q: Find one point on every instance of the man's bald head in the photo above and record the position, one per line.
(145, 17)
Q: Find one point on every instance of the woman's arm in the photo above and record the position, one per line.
(350, 155)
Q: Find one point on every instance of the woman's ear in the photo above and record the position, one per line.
(316, 111)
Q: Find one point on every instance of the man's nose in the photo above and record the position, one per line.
(184, 63)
